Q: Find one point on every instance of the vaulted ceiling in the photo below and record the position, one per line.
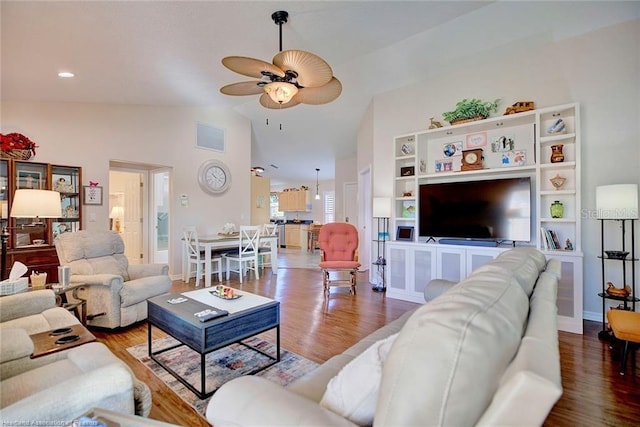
(169, 53)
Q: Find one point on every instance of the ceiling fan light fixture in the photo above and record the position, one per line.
(294, 76)
(280, 92)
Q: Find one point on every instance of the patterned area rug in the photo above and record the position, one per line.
(222, 365)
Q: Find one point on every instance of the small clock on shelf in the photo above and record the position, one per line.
(471, 159)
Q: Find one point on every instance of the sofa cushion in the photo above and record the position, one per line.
(457, 346)
(88, 244)
(524, 263)
(313, 385)
(15, 343)
(114, 264)
(56, 317)
(135, 291)
(531, 385)
(353, 393)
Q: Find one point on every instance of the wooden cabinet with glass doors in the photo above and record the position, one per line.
(31, 242)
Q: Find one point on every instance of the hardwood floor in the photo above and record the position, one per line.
(318, 328)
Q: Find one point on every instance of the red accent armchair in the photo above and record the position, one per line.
(338, 243)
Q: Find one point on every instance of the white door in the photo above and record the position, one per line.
(364, 209)
(127, 187)
(160, 206)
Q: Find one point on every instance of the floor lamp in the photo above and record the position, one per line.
(34, 204)
(382, 212)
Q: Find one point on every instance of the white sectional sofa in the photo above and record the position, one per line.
(485, 352)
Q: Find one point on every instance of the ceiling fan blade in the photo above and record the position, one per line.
(312, 70)
(242, 88)
(267, 102)
(320, 95)
(250, 66)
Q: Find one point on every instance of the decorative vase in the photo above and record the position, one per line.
(557, 209)
(557, 181)
(556, 153)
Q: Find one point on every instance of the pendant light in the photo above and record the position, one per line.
(317, 185)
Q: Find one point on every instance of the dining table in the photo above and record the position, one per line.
(221, 242)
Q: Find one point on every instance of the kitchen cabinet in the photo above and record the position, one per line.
(292, 235)
(294, 201)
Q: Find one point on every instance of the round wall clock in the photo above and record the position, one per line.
(214, 177)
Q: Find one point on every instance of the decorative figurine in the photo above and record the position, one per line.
(557, 181)
(519, 107)
(434, 124)
(556, 127)
(568, 246)
(556, 153)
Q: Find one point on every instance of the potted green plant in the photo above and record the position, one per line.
(469, 110)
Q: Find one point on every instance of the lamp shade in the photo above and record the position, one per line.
(280, 92)
(36, 204)
(116, 212)
(618, 201)
(381, 207)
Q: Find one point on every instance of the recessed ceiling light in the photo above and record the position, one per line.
(66, 74)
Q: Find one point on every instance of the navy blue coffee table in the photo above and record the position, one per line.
(248, 315)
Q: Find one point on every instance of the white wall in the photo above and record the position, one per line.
(90, 135)
(600, 70)
(345, 173)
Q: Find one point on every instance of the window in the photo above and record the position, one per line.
(329, 206)
(274, 207)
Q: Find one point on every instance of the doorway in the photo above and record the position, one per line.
(139, 207)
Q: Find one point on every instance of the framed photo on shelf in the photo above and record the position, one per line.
(29, 179)
(443, 165)
(409, 209)
(404, 232)
(514, 158)
(91, 195)
(407, 171)
(476, 140)
(452, 149)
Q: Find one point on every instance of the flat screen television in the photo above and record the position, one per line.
(497, 209)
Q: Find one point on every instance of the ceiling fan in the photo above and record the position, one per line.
(295, 77)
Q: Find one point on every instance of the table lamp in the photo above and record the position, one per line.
(116, 214)
(34, 204)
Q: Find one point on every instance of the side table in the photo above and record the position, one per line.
(79, 305)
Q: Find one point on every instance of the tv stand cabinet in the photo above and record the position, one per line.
(434, 156)
(411, 265)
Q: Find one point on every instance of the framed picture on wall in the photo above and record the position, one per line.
(91, 195)
(29, 179)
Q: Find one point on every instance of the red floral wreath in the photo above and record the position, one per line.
(16, 141)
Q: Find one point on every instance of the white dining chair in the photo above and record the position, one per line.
(247, 254)
(196, 256)
(264, 250)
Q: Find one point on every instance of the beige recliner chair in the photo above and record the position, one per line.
(63, 385)
(116, 292)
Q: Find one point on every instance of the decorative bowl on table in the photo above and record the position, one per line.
(224, 292)
(616, 254)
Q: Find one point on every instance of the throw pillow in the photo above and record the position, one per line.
(353, 393)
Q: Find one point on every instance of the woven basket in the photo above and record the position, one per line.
(466, 120)
(16, 154)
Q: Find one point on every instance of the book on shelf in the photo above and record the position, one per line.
(550, 239)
